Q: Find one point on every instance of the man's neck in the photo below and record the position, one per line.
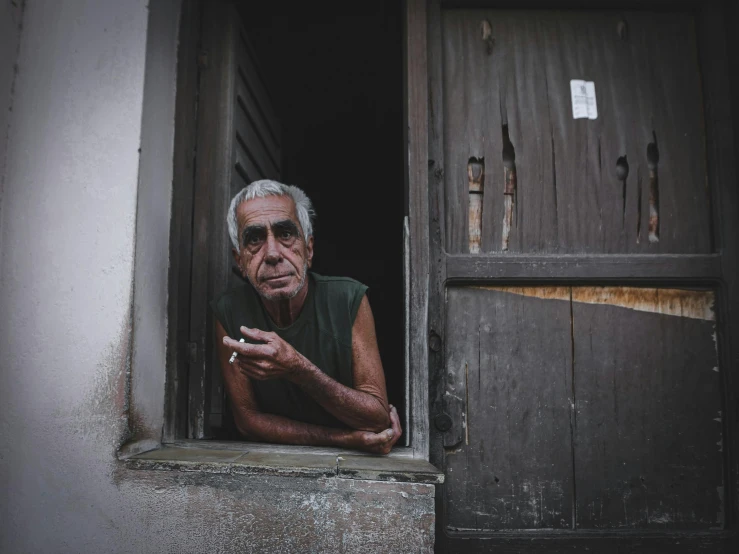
(284, 312)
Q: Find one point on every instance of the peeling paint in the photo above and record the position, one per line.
(673, 302)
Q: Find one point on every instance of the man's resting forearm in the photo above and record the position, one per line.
(357, 409)
(260, 426)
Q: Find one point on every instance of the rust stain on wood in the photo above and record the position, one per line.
(692, 304)
(511, 183)
(476, 184)
(652, 162)
(486, 32)
(622, 173)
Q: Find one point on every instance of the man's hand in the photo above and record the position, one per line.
(271, 360)
(379, 443)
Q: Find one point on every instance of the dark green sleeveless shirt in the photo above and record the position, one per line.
(322, 333)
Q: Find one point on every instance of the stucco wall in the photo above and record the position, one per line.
(69, 261)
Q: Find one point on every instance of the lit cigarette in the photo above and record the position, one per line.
(233, 356)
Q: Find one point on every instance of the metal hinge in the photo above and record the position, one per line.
(192, 352)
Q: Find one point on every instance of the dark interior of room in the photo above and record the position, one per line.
(334, 70)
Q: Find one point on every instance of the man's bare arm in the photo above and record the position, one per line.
(364, 407)
(257, 425)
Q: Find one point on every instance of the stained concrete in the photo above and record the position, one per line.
(11, 23)
(273, 514)
(83, 285)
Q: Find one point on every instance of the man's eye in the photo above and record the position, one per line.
(286, 234)
(253, 239)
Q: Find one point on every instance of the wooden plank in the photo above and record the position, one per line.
(510, 358)
(245, 167)
(239, 177)
(522, 45)
(210, 268)
(664, 268)
(437, 267)
(620, 161)
(249, 141)
(649, 419)
(472, 126)
(668, 82)
(717, 40)
(178, 309)
(406, 324)
(272, 127)
(249, 74)
(245, 99)
(416, 112)
(462, 350)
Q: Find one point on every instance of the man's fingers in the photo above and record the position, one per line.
(249, 350)
(253, 371)
(376, 439)
(395, 421)
(255, 334)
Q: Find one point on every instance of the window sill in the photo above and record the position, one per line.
(245, 458)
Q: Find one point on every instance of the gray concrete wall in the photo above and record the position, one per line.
(83, 297)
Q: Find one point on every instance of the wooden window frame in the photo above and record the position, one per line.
(717, 271)
(176, 423)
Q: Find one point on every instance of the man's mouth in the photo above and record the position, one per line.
(277, 277)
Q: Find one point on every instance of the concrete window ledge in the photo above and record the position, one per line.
(287, 461)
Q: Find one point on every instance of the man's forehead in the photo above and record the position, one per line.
(263, 211)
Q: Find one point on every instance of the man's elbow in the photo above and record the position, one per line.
(380, 420)
(246, 428)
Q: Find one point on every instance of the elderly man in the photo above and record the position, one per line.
(309, 371)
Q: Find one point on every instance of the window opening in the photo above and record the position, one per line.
(333, 73)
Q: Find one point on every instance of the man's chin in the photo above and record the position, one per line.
(270, 294)
(276, 291)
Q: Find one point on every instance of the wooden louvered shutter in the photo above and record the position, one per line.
(238, 142)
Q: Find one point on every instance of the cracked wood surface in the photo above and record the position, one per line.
(695, 304)
(582, 408)
(508, 459)
(649, 432)
(570, 195)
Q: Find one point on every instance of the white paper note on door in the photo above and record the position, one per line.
(583, 99)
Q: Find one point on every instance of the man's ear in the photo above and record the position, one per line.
(309, 250)
(237, 259)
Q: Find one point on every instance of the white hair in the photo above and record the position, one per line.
(263, 189)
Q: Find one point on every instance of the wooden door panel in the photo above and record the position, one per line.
(514, 95)
(508, 457)
(648, 433)
(601, 400)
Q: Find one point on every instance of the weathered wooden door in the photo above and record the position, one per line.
(582, 280)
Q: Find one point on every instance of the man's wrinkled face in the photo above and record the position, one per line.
(273, 253)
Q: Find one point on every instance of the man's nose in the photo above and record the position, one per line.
(273, 254)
